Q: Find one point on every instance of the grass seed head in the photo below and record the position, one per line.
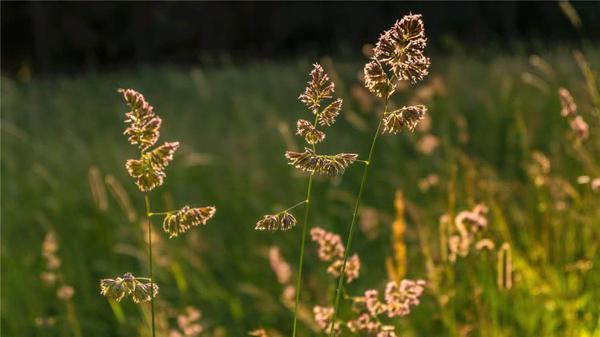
(401, 49)
(307, 130)
(318, 88)
(143, 124)
(149, 170)
(405, 117)
(186, 218)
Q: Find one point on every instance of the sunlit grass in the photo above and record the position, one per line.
(231, 121)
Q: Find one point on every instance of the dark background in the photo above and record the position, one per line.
(50, 37)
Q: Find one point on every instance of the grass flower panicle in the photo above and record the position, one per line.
(273, 222)
(309, 132)
(398, 56)
(144, 124)
(408, 116)
(401, 49)
(149, 171)
(186, 218)
(140, 289)
(143, 129)
(331, 165)
(318, 88)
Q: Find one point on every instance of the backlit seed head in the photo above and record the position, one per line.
(401, 49)
(287, 221)
(330, 113)
(319, 87)
(120, 287)
(407, 116)
(330, 165)
(143, 124)
(274, 222)
(376, 80)
(186, 218)
(144, 292)
(309, 132)
(148, 171)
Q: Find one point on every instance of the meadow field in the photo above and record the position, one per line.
(494, 135)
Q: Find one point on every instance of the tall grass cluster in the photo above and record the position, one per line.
(426, 197)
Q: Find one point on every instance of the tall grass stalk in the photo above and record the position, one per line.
(301, 257)
(150, 272)
(363, 182)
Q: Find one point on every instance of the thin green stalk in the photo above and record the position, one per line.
(301, 258)
(303, 242)
(148, 215)
(338, 291)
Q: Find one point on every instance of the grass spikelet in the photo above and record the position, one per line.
(330, 165)
(140, 289)
(408, 116)
(319, 87)
(181, 221)
(149, 171)
(273, 222)
(143, 124)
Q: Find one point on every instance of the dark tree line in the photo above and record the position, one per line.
(72, 36)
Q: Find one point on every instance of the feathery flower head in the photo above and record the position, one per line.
(323, 317)
(149, 170)
(372, 302)
(352, 268)
(401, 49)
(274, 222)
(330, 244)
(400, 297)
(307, 130)
(143, 124)
(376, 80)
(319, 87)
(186, 218)
(568, 106)
(407, 116)
(330, 165)
(329, 114)
(127, 285)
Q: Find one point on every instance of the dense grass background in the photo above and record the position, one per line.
(234, 123)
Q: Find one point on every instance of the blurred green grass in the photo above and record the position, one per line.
(231, 120)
